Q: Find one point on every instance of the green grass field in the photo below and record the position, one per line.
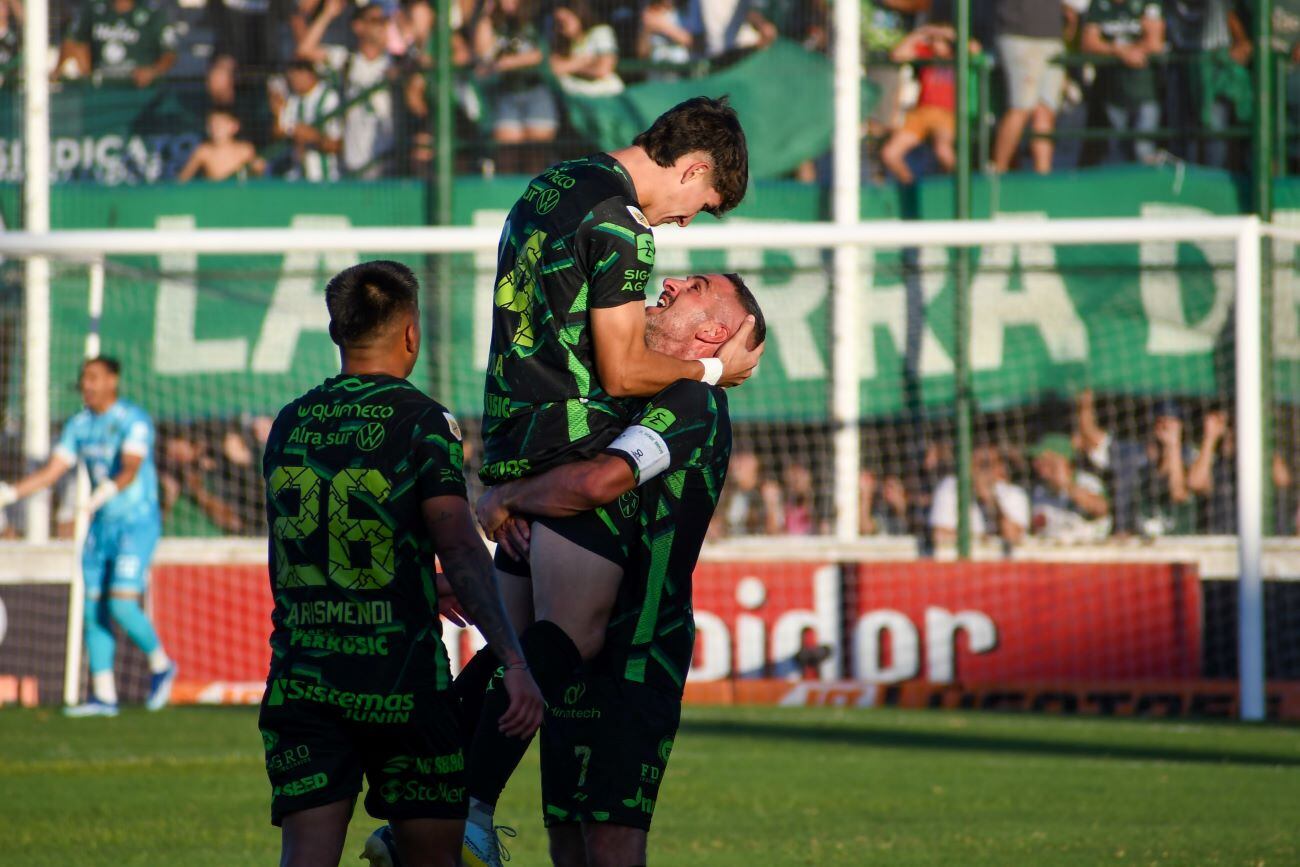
(746, 786)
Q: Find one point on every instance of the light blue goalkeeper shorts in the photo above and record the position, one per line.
(117, 556)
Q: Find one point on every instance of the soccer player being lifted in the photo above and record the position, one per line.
(610, 729)
(364, 486)
(567, 351)
(115, 440)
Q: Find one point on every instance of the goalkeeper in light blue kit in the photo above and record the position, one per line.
(115, 440)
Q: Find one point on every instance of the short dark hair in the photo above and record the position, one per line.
(710, 126)
(302, 64)
(365, 297)
(112, 365)
(362, 8)
(750, 305)
(223, 108)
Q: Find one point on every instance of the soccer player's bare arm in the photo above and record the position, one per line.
(131, 464)
(569, 489)
(627, 368)
(671, 429)
(39, 480)
(197, 161)
(468, 569)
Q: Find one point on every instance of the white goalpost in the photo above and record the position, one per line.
(844, 240)
(81, 525)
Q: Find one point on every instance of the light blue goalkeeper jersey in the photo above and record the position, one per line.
(101, 441)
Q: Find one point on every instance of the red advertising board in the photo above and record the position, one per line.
(1185, 697)
(215, 622)
(940, 624)
(973, 623)
(752, 619)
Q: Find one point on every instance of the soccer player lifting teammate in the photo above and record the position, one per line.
(568, 349)
(364, 486)
(609, 733)
(115, 440)
(576, 252)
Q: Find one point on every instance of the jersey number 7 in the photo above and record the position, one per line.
(360, 549)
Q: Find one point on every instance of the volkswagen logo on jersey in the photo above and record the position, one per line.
(370, 437)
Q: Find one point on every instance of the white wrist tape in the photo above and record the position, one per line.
(103, 492)
(712, 370)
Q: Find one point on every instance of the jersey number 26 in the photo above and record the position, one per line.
(349, 537)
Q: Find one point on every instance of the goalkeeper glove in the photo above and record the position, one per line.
(8, 494)
(104, 492)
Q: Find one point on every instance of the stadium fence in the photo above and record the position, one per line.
(217, 328)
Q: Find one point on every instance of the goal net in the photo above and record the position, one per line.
(1105, 385)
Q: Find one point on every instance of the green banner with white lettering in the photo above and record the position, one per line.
(1140, 319)
(109, 134)
(783, 95)
(224, 335)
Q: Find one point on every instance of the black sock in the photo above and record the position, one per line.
(469, 688)
(552, 658)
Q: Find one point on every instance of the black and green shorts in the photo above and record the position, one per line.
(610, 531)
(317, 752)
(605, 748)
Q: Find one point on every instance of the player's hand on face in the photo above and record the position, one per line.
(738, 361)
(514, 535)
(524, 714)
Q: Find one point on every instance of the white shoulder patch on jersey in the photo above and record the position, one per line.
(647, 450)
(453, 424)
(638, 216)
(136, 441)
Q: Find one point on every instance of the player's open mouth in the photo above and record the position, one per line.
(664, 300)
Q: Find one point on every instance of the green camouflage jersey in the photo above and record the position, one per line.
(1121, 23)
(574, 241)
(678, 448)
(347, 467)
(121, 42)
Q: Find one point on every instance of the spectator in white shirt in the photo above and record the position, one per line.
(585, 53)
(998, 508)
(309, 119)
(1068, 504)
(664, 39)
(729, 27)
(369, 134)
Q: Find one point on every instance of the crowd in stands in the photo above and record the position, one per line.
(1148, 473)
(325, 89)
(1166, 79)
(1122, 469)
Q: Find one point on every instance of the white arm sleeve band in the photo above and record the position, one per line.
(137, 440)
(646, 449)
